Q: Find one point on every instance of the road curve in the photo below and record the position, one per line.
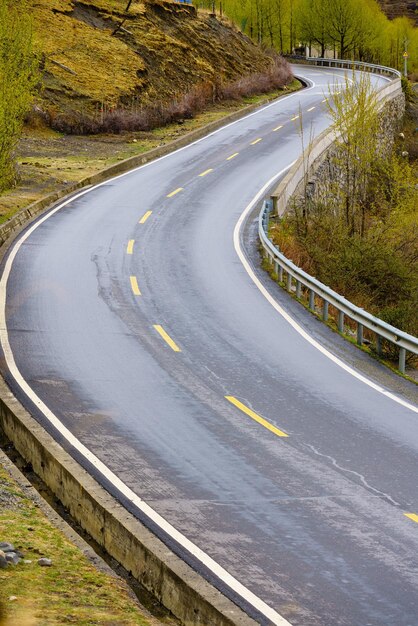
(133, 332)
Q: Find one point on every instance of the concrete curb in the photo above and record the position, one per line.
(176, 585)
(23, 218)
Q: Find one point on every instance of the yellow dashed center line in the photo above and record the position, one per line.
(145, 217)
(167, 338)
(311, 109)
(130, 246)
(256, 141)
(173, 193)
(412, 516)
(255, 417)
(134, 285)
(233, 156)
(295, 118)
(278, 128)
(206, 172)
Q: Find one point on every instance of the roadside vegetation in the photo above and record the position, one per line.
(48, 160)
(115, 67)
(359, 235)
(111, 65)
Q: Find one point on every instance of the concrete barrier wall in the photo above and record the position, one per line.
(176, 585)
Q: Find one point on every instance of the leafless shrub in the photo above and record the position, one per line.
(185, 106)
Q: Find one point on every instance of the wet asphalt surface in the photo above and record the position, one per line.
(314, 524)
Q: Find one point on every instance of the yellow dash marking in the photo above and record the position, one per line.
(145, 217)
(311, 109)
(255, 417)
(295, 118)
(134, 285)
(412, 516)
(173, 193)
(233, 156)
(206, 172)
(278, 127)
(167, 338)
(256, 141)
(130, 246)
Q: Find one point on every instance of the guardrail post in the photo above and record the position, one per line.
(312, 299)
(340, 321)
(402, 358)
(382, 331)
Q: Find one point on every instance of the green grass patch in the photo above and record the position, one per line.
(72, 591)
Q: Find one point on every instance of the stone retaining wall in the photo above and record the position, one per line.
(317, 163)
(325, 172)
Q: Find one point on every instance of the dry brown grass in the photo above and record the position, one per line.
(183, 106)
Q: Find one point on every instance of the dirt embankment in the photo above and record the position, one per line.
(163, 49)
(96, 83)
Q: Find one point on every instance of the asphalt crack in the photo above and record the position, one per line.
(363, 481)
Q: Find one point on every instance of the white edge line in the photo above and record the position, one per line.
(219, 571)
(286, 316)
(205, 559)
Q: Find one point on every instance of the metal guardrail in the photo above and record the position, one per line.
(282, 265)
(357, 65)
(382, 330)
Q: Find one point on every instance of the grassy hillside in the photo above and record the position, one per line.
(104, 98)
(163, 50)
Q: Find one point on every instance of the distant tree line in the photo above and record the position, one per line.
(342, 28)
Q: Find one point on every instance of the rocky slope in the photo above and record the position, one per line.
(400, 8)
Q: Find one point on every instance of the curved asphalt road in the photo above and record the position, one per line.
(144, 334)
